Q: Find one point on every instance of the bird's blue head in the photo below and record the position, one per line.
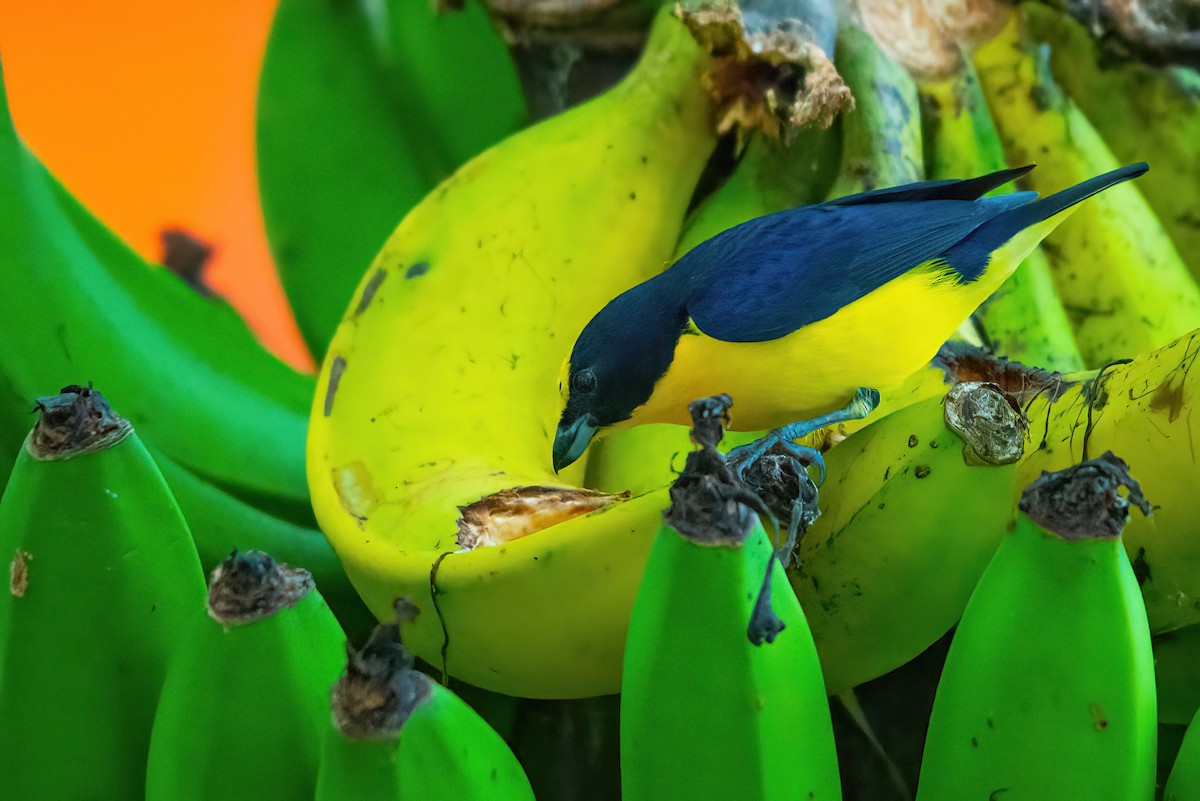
(615, 363)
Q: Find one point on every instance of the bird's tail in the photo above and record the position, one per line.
(1006, 226)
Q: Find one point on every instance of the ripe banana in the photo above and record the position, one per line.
(245, 701)
(1184, 781)
(532, 597)
(1141, 111)
(703, 710)
(374, 104)
(185, 370)
(102, 575)
(914, 505)
(1141, 410)
(1048, 689)
(398, 734)
(1120, 279)
(1024, 320)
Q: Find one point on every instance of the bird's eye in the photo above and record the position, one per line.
(583, 382)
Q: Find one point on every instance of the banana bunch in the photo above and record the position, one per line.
(102, 575)
(442, 489)
(223, 418)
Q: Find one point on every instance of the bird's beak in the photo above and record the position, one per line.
(572, 440)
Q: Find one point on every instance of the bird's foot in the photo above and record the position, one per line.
(863, 403)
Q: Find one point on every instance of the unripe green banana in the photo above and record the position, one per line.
(1024, 320)
(1184, 781)
(1143, 112)
(1143, 410)
(245, 702)
(369, 106)
(399, 735)
(183, 369)
(704, 710)
(102, 575)
(913, 507)
(1048, 689)
(1120, 278)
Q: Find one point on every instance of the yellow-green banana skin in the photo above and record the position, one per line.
(1120, 278)
(244, 707)
(445, 750)
(101, 575)
(907, 527)
(1048, 689)
(1177, 675)
(705, 714)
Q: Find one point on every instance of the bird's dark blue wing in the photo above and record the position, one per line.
(773, 275)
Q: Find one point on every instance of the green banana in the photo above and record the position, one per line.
(881, 138)
(1143, 410)
(397, 734)
(1048, 689)
(245, 703)
(1177, 674)
(102, 575)
(369, 106)
(705, 712)
(435, 481)
(1024, 320)
(1184, 781)
(1122, 282)
(1143, 112)
(914, 505)
(185, 371)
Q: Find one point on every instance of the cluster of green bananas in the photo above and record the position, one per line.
(428, 461)
(106, 653)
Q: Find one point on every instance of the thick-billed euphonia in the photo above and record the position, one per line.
(796, 313)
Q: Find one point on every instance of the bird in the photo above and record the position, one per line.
(801, 315)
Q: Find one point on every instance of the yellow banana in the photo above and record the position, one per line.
(1121, 280)
(439, 389)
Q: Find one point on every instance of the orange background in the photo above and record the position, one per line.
(145, 110)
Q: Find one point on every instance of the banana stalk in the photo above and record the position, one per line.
(1120, 278)
(397, 734)
(914, 507)
(1024, 320)
(102, 575)
(1048, 689)
(695, 685)
(435, 481)
(245, 702)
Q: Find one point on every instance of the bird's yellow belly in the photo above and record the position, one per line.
(878, 340)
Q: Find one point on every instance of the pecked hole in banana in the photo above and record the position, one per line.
(513, 513)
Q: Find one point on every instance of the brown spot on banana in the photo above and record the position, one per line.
(335, 376)
(18, 573)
